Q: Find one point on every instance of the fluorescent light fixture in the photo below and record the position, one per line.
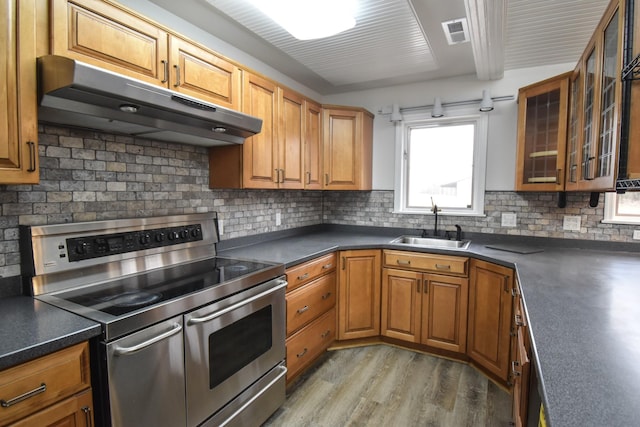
(437, 111)
(487, 103)
(310, 19)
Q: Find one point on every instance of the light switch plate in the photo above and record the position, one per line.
(509, 219)
(636, 234)
(220, 226)
(278, 218)
(571, 223)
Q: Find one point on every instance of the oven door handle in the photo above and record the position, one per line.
(124, 351)
(197, 320)
(283, 372)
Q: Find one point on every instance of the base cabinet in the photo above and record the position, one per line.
(58, 390)
(359, 294)
(490, 311)
(311, 313)
(520, 362)
(425, 308)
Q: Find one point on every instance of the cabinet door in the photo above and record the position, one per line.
(444, 312)
(587, 159)
(290, 135)
(107, 36)
(347, 139)
(202, 74)
(490, 308)
(260, 152)
(313, 146)
(359, 294)
(574, 129)
(608, 105)
(18, 119)
(542, 135)
(75, 411)
(401, 300)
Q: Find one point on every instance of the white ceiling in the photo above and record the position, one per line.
(402, 41)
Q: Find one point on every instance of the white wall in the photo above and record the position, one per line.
(502, 120)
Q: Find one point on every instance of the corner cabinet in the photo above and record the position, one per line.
(490, 311)
(18, 119)
(359, 294)
(348, 148)
(542, 135)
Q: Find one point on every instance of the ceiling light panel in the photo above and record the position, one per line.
(387, 38)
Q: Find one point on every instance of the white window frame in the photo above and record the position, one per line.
(610, 212)
(461, 115)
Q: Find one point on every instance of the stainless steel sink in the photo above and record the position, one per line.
(431, 242)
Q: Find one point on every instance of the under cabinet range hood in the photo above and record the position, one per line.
(78, 94)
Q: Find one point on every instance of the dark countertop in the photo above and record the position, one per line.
(31, 328)
(582, 306)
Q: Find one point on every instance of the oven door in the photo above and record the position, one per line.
(231, 344)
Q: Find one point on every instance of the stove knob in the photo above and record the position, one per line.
(160, 237)
(195, 232)
(145, 238)
(173, 235)
(184, 234)
(81, 248)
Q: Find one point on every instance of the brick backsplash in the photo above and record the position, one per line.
(538, 215)
(88, 175)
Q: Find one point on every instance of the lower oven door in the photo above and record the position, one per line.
(231, 344)
(146, 377)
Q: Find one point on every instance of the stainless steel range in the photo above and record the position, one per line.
(188, 338)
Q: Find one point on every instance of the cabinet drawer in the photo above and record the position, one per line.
(310, 342)
(75, 411)
(441, 264)
(307, 303)
(304, 273)
(51, 378)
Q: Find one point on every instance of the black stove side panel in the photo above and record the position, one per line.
(27, 268)
(100, 383)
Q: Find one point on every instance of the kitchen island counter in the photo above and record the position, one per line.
(581, 299)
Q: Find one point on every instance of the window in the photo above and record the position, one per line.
(441, 161)
(622, 208)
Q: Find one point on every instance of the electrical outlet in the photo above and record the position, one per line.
(220, 226)
(509, 219)
(571, 223)
(636, 234)
(278, 218)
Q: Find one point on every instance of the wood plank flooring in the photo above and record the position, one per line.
(381, 385)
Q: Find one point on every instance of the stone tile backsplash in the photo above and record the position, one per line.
(88, 176)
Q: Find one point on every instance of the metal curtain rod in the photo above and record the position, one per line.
(457, 103)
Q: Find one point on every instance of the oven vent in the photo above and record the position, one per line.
(456, 31)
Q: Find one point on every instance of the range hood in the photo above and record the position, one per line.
(78, 94)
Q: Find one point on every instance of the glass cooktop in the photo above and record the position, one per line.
(126, 295)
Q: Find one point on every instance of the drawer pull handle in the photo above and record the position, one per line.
(418, 285)
(303, 309)
(304, 276)
(327, 295)
(32, 156)
(24, 396)
(326, 333)
(514, 366)
(177, 68)
(327, 266)
(403, 262)
(443, 266)
(165, 69)
(303, 352)
(518, 320)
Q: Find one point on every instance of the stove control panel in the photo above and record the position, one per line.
(87, 247)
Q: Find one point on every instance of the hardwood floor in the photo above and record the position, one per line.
(381, 385)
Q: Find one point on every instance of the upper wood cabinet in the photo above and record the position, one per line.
(312, 145)
(348, 148)
(594, 122)
(542, 135)
(106, 35)
(18, 119)
(359, 294)
(291, 150)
